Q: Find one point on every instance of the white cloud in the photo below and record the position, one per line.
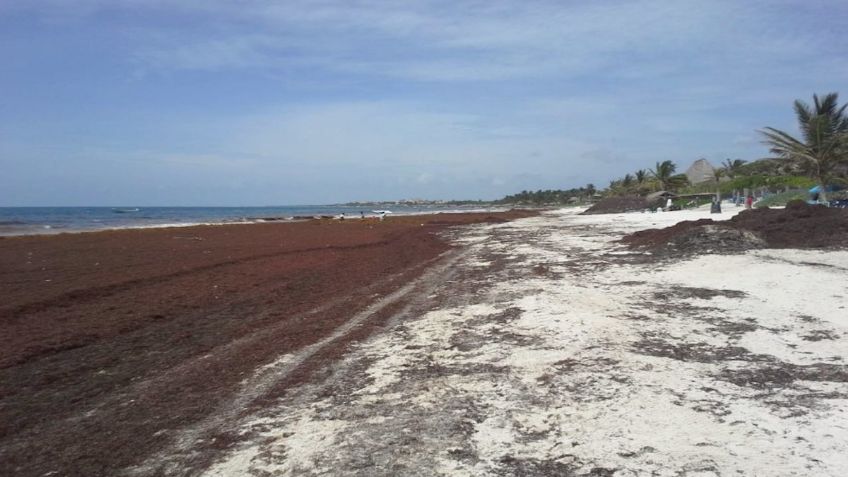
(496, 93)
(467, 41)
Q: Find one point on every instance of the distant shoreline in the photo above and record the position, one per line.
(29, 221)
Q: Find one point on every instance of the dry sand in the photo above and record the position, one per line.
(543, 347)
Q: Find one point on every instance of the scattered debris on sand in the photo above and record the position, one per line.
(617, 205)
(543, 349)
(799, 225)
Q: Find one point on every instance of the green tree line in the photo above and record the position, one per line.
(819, 156)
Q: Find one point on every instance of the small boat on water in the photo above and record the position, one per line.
(125, 211)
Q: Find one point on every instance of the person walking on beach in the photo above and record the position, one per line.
(749, 201)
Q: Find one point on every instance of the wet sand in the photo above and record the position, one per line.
(111, 341)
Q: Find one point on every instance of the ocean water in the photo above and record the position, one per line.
(51, 220)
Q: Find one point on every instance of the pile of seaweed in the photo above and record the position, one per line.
(799, 225)
(617, 205)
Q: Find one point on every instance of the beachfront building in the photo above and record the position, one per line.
(659, 199)
(700, 171)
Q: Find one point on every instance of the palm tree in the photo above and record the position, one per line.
(732, 167)
(718, 173)
(614, 187)
(663, 172)
(641, 175)
(678, 181)
(824, 128)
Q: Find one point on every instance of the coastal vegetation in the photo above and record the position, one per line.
(663, 173)
(782, 198)
(822, 147)
(579, 195)
(819, 157)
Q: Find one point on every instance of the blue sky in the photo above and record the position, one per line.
(205, 102)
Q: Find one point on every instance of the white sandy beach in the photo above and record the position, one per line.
(542, 347)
